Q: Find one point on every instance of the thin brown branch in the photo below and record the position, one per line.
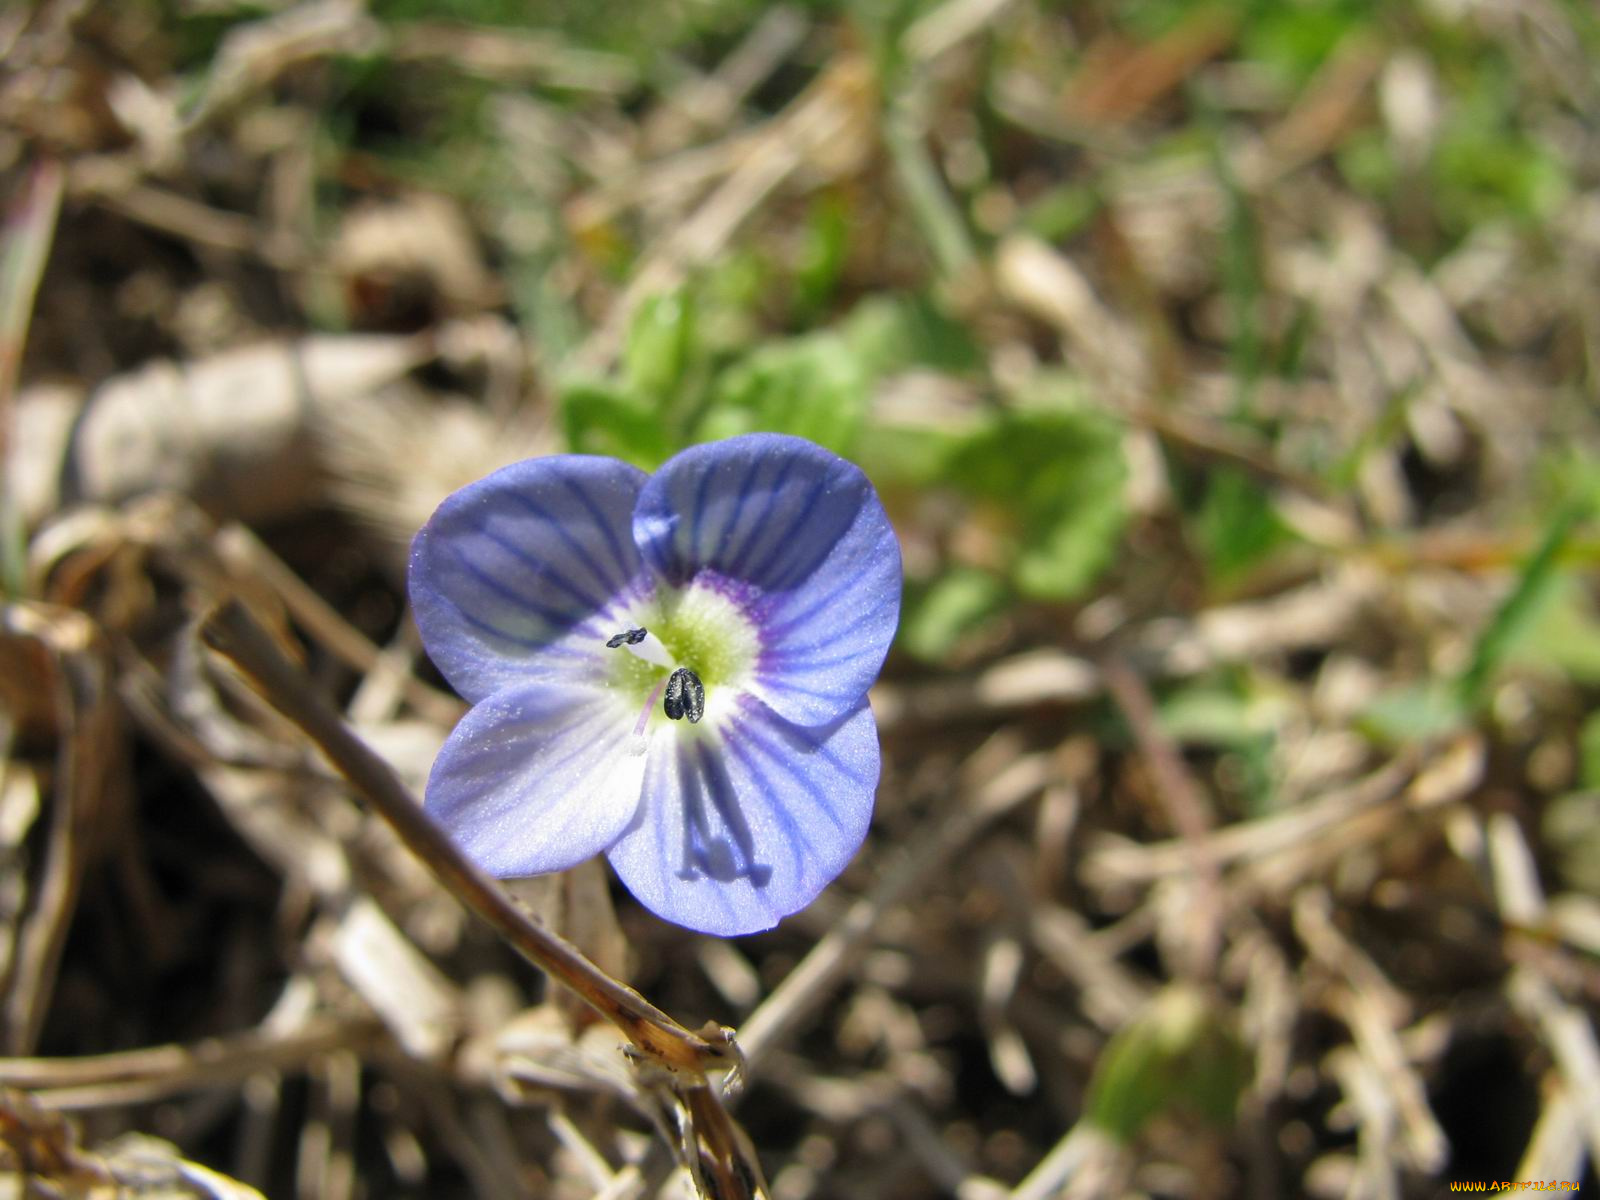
(234, 633)
(155, 1072)
(805, 988)
(1186, 807)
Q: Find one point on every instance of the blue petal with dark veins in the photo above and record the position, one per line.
(740, 828)
(805, 530)
(516, 575)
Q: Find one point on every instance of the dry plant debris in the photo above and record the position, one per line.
(1229, 372)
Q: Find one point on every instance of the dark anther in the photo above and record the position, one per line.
(686, 696)
(632, 636)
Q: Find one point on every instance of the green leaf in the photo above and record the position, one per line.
(1243, 721)
(1237, 526)
(1179, 1052)
(1486, 169)
(1535, 582)
(1420, 711)
(934, 212)
(1563, 632)
(894, 333)
(1061, 212)
(1213, 713)
(813, 387)
(660, 344)
(1589, 750)
(1569, 474)
(1296, 39)
(13, 548)
(599, 418)
(1053, 480)
(822, 254)
(915, 455)
(937, 617)
(1414, 713)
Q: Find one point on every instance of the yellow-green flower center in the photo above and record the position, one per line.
(698, 628)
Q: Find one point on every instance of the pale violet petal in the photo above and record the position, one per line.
(741, 826)
(520, 575)
(538, 778)
(798, 535)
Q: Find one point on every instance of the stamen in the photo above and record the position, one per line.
(640, 644)
(686, 696)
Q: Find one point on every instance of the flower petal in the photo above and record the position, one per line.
(804, 530)
(537, 778)
(742, 826)
(516, 575)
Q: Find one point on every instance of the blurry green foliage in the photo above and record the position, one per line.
(476, 12)
(895, 332)
(1217, 711)
(195, 37)
(612, 25)
(638, 415)
(1052, 481)
(1484, 166)
(931, 209)
(1569, 474)
(1229, 713)
(730, 294)
(1412, 713)
(1242, 281)
(1487, 167)
(1367, 162)
(13, 549)
(822, 254)
(1062, 212)
(907, 455)
(813, 387)
(1589, 752)
(1289, 360)
(1047, 475)
(660, 344)
(1531, 619)
(1293, 39)
(1180, 1053)
(1563, 631)
(543, 309)
(1296, 39)
(938, 615)
(684, 378)
(600, 419)
(1516, 614)
(1236, 527)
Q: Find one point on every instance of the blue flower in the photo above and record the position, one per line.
(671, 669)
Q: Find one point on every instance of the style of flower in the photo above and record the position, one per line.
(671, 669)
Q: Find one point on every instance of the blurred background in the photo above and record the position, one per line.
(1229, 372)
